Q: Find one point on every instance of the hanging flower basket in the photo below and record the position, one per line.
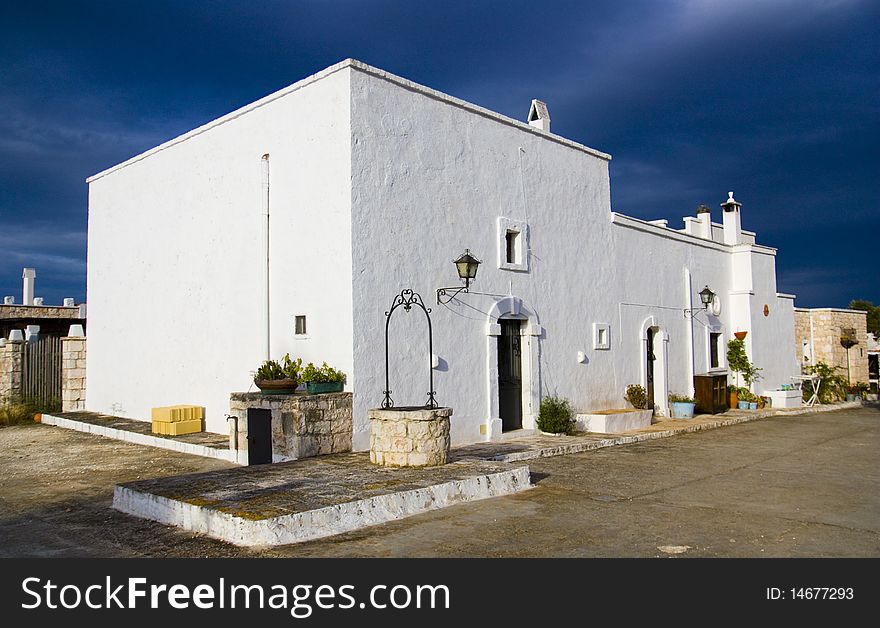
(740, 335)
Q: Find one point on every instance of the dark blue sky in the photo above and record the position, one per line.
(778, 100)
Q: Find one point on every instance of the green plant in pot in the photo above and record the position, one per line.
(278, 378)
(682, 406)
(323, 380)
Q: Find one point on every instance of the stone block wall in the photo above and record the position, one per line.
(73, 374)
(11, 364)
(409, 438)
(821, 329)
(302, 425)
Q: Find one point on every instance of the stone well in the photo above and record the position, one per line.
(409, 437)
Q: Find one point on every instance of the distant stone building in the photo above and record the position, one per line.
(822, 335)
(32, 316)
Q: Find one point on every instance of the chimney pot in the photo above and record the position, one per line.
(539, 115)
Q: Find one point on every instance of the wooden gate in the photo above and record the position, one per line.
(41, 373)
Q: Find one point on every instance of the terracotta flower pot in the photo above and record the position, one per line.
(276, 386)
(740, 335)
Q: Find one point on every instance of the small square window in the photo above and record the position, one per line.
(601, 336)
(513, 245)
(300, 325)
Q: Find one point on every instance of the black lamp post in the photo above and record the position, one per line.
(466, 265)
(707, 297)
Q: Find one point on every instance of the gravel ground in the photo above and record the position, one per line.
(784, 486)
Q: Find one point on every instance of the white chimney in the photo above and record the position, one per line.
(27, 293)
(539, 116)
(732, 221)
(704, 226)
(8, 300)
(69, 302)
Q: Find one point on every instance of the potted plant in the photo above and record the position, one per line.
(323, 380)
(278, 378)
(738, 362)
(733, 394)
(857, 391)
(682, 406)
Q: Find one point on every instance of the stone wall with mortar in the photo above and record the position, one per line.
(11, 362)
(39, 311)
(73, 374)
(302, 425)
(409, 438)
(821, 329)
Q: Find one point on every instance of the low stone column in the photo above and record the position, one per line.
(73, 374)
(416, 437)
(11, 367)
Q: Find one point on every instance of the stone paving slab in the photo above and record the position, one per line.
(547, 445)
(307, 499)
(207, 444)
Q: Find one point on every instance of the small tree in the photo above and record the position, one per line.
(737, 359)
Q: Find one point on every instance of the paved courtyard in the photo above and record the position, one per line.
(802, 485)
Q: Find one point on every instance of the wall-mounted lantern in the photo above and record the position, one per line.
(706, 298)
(466, 265)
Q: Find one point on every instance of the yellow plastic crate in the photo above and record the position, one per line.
(177, 428)
(173, 414)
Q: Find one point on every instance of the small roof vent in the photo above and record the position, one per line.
(539, 116)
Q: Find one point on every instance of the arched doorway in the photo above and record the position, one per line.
(654, 350)
(513, 377)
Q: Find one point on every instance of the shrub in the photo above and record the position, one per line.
(556, 416)
(673, 398)
(325, 374)
(636, 396)
(286, 369)
(16, 411)
(833, 386)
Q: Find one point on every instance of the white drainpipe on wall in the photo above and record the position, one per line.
(265, 227)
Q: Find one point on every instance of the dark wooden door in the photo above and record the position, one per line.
(510, 375)
(649, 376)
(259, 436)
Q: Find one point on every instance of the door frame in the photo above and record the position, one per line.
(661, 363)
(530, 333)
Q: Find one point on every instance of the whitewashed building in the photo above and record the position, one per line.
(373, 184)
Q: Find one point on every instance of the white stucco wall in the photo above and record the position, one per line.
(175, 259)
(431, 176)
(377, 184)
